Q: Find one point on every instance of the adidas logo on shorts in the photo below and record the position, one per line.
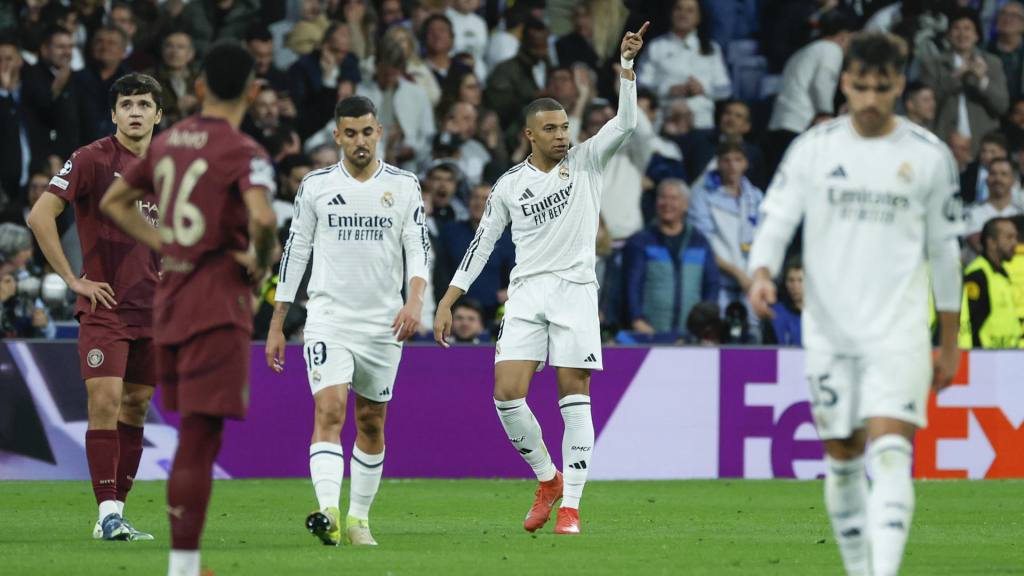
(591, 358)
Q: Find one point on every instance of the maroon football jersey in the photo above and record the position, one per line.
(199, 169)
(108, 254)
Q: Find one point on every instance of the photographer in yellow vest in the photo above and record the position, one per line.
(989, 316)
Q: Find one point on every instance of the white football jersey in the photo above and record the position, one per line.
(873, 210)
(554, 215)
(357, 232)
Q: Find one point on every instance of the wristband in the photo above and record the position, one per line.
(626, 64)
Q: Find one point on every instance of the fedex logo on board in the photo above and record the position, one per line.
(976, 427)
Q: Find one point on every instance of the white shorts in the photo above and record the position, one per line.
(368, 365)
(847, 390)
(548, 318)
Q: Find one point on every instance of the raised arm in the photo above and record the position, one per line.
(602, 146)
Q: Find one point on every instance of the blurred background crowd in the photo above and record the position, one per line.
(724, 86)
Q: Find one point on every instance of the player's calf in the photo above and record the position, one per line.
(891, 504)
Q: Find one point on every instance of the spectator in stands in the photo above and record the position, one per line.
(490, 290)
(989, 316)
(20, 316)
(136, 57)
(974, 178)
(177, 74)
(704, 324)
(415, 68)
(308, 33)
(578, 45)
(516, 82)
(669, 267)
(461, 87)
(505, 40)
(15, 131)
(403, 110)
(686, 63)
(470, 31)
(960, 146)
(919, 103)
(734, 125)
(260, 44)
(324, 155)
(784, 328)
(1001, 177)
(315, 78)
(666, 158)
(438, 39)
(105, 66)
(51, 98)
(1008, 46)
(789, 25)
(490, 134)
(467, 322)
(207, 21)
(970, 87)
(290, 172)
(263, 117)
(473, 156)
(441, 183)
(572, 88)
(623, 175)
(1013, 124)
(392, 15)
(809, 83)
(725, 207)
(734, 20)
(361, 18)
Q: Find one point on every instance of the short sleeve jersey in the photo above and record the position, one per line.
(109, 255)
(199, 169)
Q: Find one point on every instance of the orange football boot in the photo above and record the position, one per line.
(548, 493)
(568, 521)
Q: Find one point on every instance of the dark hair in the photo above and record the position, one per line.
(643, 92)
(967, 14)
(835, 21)
(335, 25)
(9, 38)
(228, 68)
(877, 52)
(988, 231)
(721, 107)
(391, 53)
(729, 148)
(471, 303)
(279, 138)
(259, 33)
(123, 5)
(554, 69)
(113, 30)
(704, 321)
(354, 107)
(541, 105)
(703, 29)
(913, 88)
(135, 84)
(52, 31)
(292, 161)
(995, 137)
(430, 20)
(1002, 159)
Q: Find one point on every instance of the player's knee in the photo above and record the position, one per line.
(370, 423)
(330, 414)
(104, 406)
(135, 405)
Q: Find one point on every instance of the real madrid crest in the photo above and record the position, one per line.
(387, 200)
(316, 376)
(563, 172)
(94, 358)
(906, 172)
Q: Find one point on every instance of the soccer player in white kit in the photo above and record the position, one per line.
(357, 216)
(878, 196)
(552, 200)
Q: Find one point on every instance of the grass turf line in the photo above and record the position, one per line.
(255, 527)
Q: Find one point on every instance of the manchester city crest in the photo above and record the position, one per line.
(387, 200)
(94, 358)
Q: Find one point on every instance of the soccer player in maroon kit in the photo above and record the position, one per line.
(115, 297)
(216, 237)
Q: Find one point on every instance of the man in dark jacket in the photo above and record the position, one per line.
(314, 78)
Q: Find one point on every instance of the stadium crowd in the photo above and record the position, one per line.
(725, 87)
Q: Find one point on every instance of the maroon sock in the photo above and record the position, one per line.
(101, 450)
(191, 480)
(130, 438)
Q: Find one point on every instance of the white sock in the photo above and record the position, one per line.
(846, 500)
(366, 472)
(120, 508)
(108, 507)
(523, 431)
(326, 468)
(577, 446)
(891, 504)
(183, 563)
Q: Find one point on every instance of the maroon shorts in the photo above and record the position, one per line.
(207, 374)
(108, 348)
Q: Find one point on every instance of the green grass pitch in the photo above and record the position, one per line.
(255, 527)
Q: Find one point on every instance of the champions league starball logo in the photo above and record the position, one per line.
(66, 169)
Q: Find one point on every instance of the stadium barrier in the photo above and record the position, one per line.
(660, 413)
